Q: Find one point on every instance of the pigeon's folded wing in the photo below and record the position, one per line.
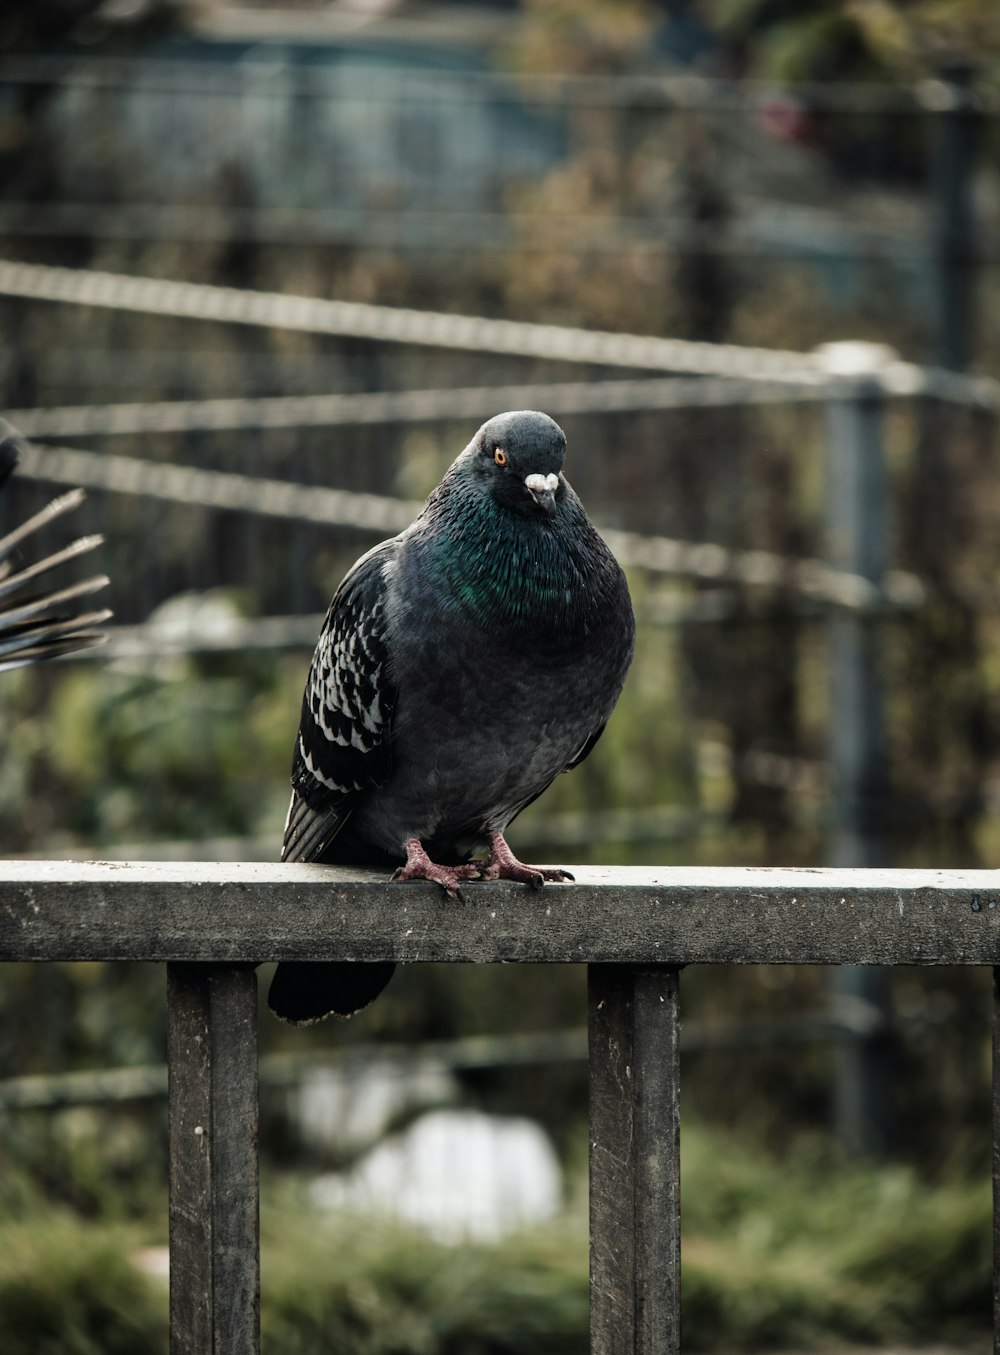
(343, 745)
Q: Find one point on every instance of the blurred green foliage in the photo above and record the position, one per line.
(841, 39)
(778, 1252)
(179, 748)
(68, 1288)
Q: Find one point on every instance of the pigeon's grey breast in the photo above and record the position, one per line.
(492, 706)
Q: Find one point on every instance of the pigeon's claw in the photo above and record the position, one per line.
(502, 864)
(419, 866)
(557, 874)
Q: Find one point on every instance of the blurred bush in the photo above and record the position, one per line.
(778, 1253)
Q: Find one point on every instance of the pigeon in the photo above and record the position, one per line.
(461, 667)
(38, 623)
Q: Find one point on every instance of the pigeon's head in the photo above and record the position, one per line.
(518, 457)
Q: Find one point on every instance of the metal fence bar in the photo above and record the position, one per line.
(650, 89)
(634, 1160)
(856, 509)
(436, 329)
(214, 1256)
(470, 333)
(407, 406)
(295, 502)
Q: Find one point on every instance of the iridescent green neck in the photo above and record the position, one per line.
(503, 569)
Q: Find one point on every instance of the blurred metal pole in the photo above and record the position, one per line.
(856, 527)
(953, 222)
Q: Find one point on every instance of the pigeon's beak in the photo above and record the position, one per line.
(542, 489)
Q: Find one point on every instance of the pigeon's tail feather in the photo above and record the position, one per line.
(24, 649)
(309, 832)
(41, 624)
(304, 992)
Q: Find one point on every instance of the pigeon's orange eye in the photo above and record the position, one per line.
(500, 457)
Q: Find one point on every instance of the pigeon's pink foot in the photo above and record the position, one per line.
(502, 864)
(419, 866)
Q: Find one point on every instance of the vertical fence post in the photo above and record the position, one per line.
(953, 220)
(634, 1160)
(214, 1258)
(857, 543)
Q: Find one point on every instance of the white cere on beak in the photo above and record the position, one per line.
(542, 484)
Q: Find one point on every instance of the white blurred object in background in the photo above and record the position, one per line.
(459, 1175)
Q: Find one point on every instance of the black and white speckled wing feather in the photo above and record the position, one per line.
(343, 744)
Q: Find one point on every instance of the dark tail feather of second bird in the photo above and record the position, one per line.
(306, 991)
(39, 621)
